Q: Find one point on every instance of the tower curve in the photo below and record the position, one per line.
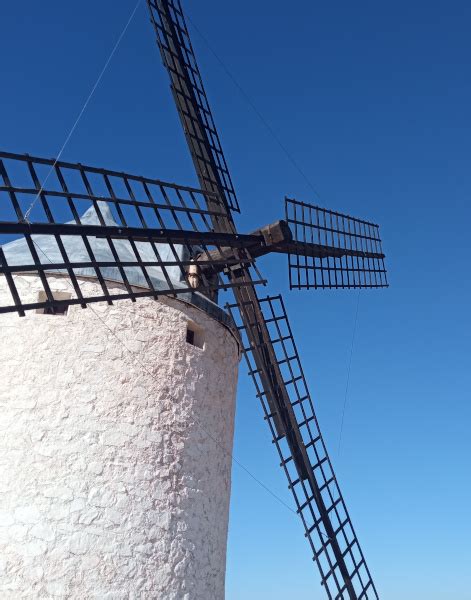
(116, 431)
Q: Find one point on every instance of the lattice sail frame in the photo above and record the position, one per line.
(282, 341)
(173, 38)
(44, 200)
(191, 100)
(351, 255)
(214, 177)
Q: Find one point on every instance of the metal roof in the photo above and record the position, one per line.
(18, 253)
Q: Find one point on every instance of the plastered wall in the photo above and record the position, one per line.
(114, 441)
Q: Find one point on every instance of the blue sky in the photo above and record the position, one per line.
(372, 101)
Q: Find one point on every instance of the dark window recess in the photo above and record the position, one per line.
(53, 310)
(190, 337)
(195, 335)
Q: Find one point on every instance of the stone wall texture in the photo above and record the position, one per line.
(115, 436)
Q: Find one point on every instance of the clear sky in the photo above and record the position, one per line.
(372, 100)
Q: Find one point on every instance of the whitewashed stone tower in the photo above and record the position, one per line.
(116, 428)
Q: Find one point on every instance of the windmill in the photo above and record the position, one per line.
(152, 239)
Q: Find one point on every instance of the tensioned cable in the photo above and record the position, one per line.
(253, 106)
(300, 171)
(348, 372)
(280, 144)
(84, 107)
(197, 421)
(28, 212)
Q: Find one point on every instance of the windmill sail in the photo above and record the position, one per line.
(313, 483)
(139, 236)
(140, 233)
(341, 580)
(191, 100)
(332, 250)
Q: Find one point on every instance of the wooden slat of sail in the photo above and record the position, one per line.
(71, 199)
(323, 498)
(350, 254)
(191, 100)
(167, 17)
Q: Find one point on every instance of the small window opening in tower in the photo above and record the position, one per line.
(56, 310)
(190, 337)
(194, 335)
